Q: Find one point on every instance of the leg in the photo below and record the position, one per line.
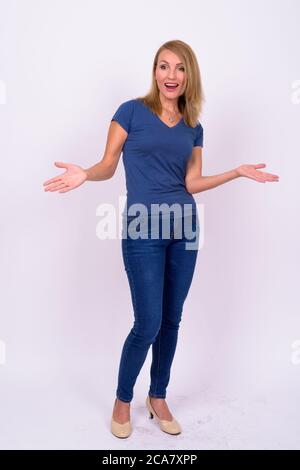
(179, 269)
(144, 261)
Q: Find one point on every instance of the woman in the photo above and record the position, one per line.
(161, 140)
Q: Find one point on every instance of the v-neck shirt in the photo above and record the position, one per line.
(155, 157)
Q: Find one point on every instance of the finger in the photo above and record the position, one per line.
(260, 165)
(54, 185)
(61, 164)
(273, 178)
(260, 179)
(64, 190)
(53, 180)
(58, 186)
(270, 175)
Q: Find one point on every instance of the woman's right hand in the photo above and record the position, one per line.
(73, 177)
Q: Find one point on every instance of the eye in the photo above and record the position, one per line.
(180, 68)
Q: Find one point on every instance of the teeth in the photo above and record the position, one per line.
(171, 84)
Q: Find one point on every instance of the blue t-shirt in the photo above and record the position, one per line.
(155, 156)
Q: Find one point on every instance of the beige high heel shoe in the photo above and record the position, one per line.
(120, 430)
(170, 427)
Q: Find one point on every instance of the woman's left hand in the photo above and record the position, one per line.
(251, 171)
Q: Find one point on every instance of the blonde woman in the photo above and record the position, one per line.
(161, 140)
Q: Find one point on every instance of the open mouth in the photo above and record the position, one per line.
(171, 86)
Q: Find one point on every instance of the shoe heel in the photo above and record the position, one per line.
(170, 427)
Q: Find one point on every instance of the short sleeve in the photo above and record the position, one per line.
(198, 135)
(123, 115)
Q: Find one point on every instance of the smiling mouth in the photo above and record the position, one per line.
(171, 87)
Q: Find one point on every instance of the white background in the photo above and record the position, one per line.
(65, 66)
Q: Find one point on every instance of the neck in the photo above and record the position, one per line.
(170, 105)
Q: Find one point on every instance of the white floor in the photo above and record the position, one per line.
(66, 411)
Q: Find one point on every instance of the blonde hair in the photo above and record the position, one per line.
(190, 103)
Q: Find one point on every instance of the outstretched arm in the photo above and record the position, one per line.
(75, 175)
(196, 183)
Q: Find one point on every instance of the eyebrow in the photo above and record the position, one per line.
(180, 63)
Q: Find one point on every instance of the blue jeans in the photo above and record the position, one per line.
(160, 272)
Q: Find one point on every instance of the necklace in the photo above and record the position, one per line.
(170, 118)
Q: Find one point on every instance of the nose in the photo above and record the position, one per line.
(172, 73)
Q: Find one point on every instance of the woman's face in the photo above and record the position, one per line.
(170, 69)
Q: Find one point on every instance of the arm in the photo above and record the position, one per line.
(106, 168)
(196, 183)
(75, 175)
(194, 180)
